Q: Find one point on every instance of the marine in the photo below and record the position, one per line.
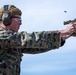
(13, 43)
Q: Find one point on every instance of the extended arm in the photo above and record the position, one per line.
(38, 42)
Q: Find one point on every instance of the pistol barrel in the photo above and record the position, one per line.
(67, 22)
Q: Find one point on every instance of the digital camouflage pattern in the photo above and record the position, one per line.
(13, 44)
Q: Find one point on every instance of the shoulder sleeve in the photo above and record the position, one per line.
(37, 42)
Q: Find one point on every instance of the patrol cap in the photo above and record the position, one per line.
(13, 10)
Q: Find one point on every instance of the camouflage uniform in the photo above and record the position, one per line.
(13, 44)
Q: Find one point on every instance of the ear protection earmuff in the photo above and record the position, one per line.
(6, 17)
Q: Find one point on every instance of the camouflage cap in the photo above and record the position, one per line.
(13, 10)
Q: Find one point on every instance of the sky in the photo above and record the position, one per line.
(47, 15)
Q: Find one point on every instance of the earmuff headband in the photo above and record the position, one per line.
(5, 7)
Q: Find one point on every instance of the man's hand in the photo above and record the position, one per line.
(68, 31)
(74, 25)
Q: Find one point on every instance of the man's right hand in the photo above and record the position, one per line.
(68, 31)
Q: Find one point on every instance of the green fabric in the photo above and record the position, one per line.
(12, 45)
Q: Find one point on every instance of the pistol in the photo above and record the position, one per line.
(69, 21)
